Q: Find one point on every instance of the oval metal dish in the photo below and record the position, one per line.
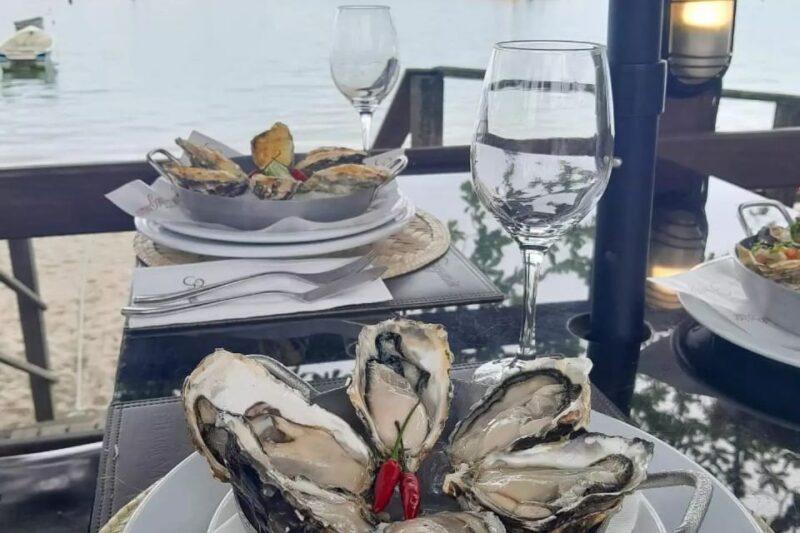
(248, 212)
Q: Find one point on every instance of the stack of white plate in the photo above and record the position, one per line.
(388, 213)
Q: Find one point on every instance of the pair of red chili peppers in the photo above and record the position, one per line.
(392, 473)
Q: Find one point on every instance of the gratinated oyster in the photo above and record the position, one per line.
(208, 181)
(275, 144)
(546, 399)
(570, 485)
(273, 187)
(205, 157)
(447, 522)
(260, 433)
(329, 156)
(402, 376)
(345, 179)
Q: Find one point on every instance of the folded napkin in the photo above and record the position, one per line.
(154, 280)
(715, 284)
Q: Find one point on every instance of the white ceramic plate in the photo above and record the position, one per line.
(383, 210)
(185, 243)
(762, 344)
(188, 497)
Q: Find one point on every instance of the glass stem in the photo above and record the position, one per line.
(532, 257)
(366, 126)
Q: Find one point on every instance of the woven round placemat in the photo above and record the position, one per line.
(420, 242)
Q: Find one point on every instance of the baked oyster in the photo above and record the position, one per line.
(275, 144)
(570, 485)
(205, 157)
(546, 399)
(329, 156)
(261, 434)
(208, 181)
(402, 375)
(345, 179)
(447, 522)
(273, 187)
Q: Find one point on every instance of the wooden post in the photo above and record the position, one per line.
(426, 112)
(32, 320)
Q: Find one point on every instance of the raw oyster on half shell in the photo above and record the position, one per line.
(447, 522)
(402, 371)
(571, 485)
(546, 399)
(259, 433)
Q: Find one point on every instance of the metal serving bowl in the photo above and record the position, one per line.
(248, 212)
(772, 300)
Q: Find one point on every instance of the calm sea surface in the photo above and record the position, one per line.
(133, 74)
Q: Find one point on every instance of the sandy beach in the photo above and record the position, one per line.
(84, 280)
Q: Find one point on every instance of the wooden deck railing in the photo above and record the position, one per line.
(753, 159)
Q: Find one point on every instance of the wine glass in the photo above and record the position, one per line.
(542, 153)
(364, 63)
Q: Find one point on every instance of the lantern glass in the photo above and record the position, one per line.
(700, 38)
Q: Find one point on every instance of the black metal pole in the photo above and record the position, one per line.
(638, 76)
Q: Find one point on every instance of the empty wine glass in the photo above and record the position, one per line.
(364, 63)
(542, 152)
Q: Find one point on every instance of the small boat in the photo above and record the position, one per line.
(28, 48)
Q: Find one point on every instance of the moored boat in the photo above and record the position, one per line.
(28, 48)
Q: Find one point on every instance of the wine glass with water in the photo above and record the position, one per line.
(364, 63)
(542, 153)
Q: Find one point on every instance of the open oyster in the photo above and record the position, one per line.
(208, 181)
(205, 157)
(329, 156)
(402, 373)
(570, 485)
(345, 179)
(273, 187)
(447, 522)
(547, 399)
(257, 432)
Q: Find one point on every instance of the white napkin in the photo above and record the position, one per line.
(715, 283)
(153, 280)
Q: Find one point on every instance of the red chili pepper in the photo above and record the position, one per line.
(298, 174)
(385, 482)
(389, 473)
(409, 494)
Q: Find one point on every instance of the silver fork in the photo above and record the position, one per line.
(325, 291)
(318, 278)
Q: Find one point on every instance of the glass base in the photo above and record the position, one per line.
(491, 373)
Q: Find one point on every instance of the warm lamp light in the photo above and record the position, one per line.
(699, 39)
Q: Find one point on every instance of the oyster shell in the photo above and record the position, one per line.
(447, 522)
(345, 179)
(329, 156)
(402, 372)
(570, 485)
(273, 187)
(205, 157)
(293, 437)
(275, 144)
(218, 182)
(548, 398)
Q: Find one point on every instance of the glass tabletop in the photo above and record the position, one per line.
(727, 409)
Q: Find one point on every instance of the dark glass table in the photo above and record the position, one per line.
(729, 410)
